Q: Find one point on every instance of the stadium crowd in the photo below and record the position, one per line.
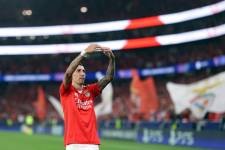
(17, 99)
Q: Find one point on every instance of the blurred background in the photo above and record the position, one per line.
(168, 92)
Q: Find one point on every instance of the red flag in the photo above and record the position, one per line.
(146, 91)
(40, 104)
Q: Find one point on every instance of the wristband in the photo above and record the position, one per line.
(83, 53)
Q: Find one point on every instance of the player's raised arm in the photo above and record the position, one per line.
(110, 70)
(73, 65)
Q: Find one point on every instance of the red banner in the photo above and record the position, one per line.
(40, 104)
(144, 95)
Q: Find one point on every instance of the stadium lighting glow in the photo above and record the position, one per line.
(27, 12)
(115, 25)
(161, 40)
(83, 9)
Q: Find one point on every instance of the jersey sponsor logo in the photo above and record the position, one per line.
(82, 102)
(84, 105)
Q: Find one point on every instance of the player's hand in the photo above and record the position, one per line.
(108, 52)
(92, 47)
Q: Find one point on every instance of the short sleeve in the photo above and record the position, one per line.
(95, 89)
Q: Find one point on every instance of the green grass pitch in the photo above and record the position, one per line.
(19, 141)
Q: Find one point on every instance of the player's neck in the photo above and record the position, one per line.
(77, 86)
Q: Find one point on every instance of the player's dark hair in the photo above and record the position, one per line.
(80, 65)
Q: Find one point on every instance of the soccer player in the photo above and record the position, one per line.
(77, 99)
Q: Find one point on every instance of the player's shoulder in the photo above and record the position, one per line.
(94, 89)
(91, 86)
(63, 90)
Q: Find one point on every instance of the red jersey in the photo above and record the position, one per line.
(80, 125)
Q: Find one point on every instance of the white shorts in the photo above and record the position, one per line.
(82, 147)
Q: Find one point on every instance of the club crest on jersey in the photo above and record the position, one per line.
(87, 94)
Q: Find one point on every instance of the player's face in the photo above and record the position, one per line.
(79, 75)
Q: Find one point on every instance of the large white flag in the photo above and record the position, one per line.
(105, 107)
(207, 95)
(57, 105)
